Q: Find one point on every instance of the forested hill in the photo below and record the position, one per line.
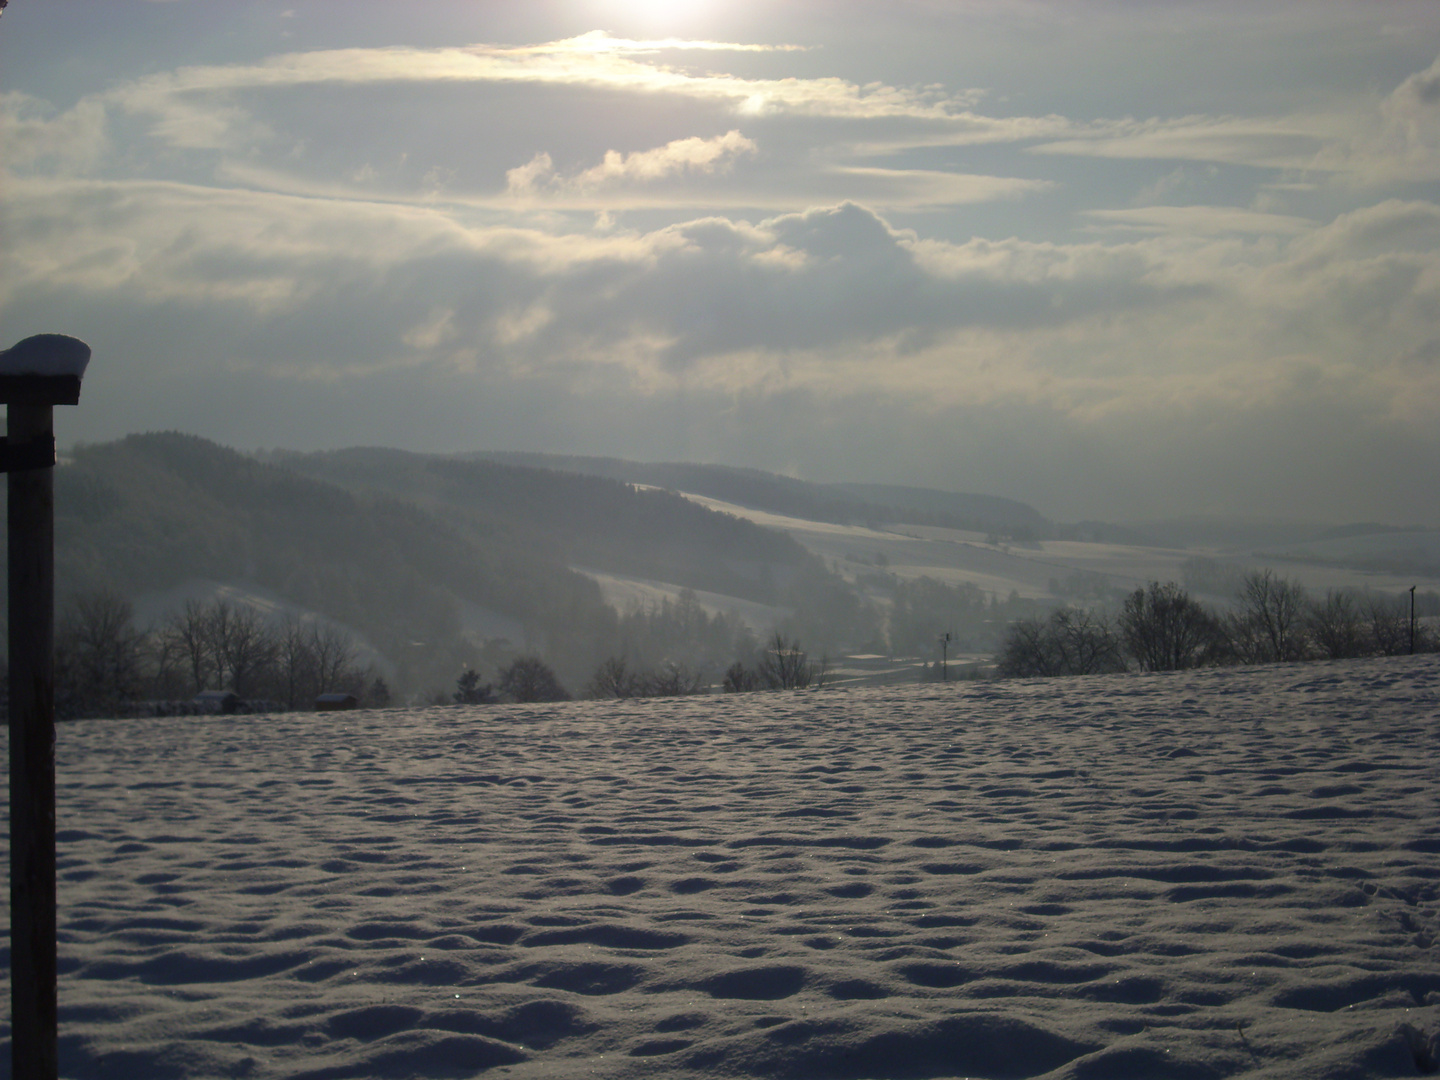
(394, 544)
(588, 521)
(839, 503)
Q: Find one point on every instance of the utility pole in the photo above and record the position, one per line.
(1412, 620)
(35, 375)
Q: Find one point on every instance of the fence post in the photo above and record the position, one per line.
(35, 375)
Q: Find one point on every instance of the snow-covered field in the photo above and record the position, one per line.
(953, 556)
(1224, 873)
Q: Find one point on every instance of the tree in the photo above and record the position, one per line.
(1072, 641)
(528, 678)
(334, 656)
(784, 665)
(672, 680)
(1335, 626)
(188, 636)
(1269, 625)
(1165, 630)
(923, 608)
(1028, 651)
(377, 695)
(614, 679)
(294, 663)
(1085, 642)
(98, 654)
(468, 690)
(243, 645)
(739, 679)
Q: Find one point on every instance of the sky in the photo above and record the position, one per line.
(1123, 260)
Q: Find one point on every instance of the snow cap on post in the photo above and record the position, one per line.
(43, 370)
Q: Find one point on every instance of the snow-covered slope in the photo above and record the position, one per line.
(1222, 873)
(1030, 569)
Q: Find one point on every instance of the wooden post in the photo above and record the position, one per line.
(34, 1001)
(1412, 620)
(35, 375)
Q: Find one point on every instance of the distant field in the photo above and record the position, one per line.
(1220, 873)
(954, 555)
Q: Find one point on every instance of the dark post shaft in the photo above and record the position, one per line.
(1412, 620)
(32, 756)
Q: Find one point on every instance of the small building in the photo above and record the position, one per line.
(336, 702)
(217, 701)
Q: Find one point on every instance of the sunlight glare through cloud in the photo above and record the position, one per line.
(656, 16)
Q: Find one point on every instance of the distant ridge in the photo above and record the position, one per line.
(992, 509)
(401, 546)
(837, 503)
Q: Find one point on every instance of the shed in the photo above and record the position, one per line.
(336, 702)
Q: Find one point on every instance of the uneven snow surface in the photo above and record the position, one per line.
(1224, 873)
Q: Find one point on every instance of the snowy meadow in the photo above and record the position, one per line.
(1207, 874)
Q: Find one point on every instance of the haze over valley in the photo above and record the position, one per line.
(435, 563)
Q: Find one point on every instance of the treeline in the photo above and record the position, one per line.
(1163, 628)
(781, 663)
(106, 666)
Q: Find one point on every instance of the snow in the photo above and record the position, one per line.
(624, 593)
(46, 354)
(955, 556)
(1220, 873)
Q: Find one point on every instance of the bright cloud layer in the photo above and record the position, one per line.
(770, 251)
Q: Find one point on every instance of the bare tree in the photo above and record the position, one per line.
(1027, 651)
(334, 656)
(614, 679)
(295, 662)
(673, 680)
(1086, 643)
(1336, 627)
(739, 679)
(1165, 630)
(528, 678)
(784, 665)
(1389, 624)
(169, 670)
(98, 654)
(188, 637)
(1269, 625)
(245, 646)
(1072, 641)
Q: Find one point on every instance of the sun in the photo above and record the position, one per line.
(655, 17)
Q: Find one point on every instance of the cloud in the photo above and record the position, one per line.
(1180, 346)
(1396, 140)
(1199, 221)
(637, 180)
(1281, 143)
(665, 302)
(34, 135)
(194, 107)
(675, 158)
(598, 41)
(287, 124)
(1404, 146)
